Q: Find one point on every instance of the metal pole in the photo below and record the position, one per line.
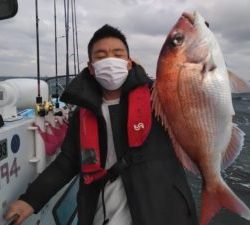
(73, 34)
(66, 15)
(77, 54)
(39, 98)
(56, 69)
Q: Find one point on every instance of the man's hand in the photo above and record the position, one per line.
(18, 211)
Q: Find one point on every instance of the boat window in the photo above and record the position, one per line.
(65, 209)
(8, 8)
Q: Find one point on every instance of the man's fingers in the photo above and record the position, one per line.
(18, 212)
(14, 220)
(10, 215)
(18, 220)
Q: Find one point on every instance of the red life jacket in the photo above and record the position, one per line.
(138, 128)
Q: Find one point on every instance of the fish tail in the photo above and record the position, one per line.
(222, 197)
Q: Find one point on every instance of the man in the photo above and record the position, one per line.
(129, 174)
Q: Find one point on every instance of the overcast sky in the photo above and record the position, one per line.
(144, 22)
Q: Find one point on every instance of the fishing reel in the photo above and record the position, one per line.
(43, 108)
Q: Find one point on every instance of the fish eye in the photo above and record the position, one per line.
(178, 39)
(207, 24)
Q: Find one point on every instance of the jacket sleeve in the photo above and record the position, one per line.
(59, 172)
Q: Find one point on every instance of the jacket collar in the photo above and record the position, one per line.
(84, 91)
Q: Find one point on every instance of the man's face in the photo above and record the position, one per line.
(108, 47)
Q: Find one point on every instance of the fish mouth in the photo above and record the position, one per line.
(189, 17)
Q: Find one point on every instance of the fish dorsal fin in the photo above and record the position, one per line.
(237, 84)
(156, 106)
(234, 148)
(186, 162)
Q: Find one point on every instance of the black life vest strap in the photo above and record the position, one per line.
(121, 165)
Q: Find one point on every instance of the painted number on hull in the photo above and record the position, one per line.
(3, 149)
(7, 171)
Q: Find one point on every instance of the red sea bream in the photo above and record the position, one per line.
(192, 97)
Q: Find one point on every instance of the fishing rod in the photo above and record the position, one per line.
(56, 69)
(38, 98)
(73, 33)
(66, 20)
(76, 35)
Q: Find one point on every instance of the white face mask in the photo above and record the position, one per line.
(110, 72)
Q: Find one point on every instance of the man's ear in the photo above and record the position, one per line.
(91, 68)
(129, 64)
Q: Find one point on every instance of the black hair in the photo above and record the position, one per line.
(105, 32)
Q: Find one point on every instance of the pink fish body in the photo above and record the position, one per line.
(192, 96)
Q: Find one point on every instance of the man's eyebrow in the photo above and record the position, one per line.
(119, 50)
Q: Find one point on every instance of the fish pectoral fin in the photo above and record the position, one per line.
(209, 65)
(234, 148)
(238, 85)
